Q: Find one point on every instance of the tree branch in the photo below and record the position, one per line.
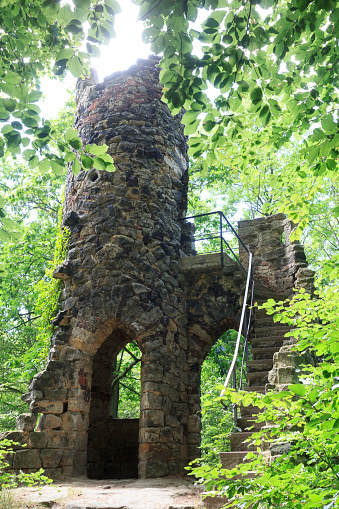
(124, 373)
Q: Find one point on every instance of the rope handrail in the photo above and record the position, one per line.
(241, 324)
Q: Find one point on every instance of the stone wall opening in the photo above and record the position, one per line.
(112, 442)
(216, 422)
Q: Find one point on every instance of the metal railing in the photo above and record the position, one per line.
(219, 235)
(246, 312)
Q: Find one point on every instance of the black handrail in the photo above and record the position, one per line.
(245, 324)
(222, 218)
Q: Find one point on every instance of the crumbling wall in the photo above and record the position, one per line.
(278, 263)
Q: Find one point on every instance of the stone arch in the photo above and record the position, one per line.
(214, 302)
(112, 450)
(202, 346)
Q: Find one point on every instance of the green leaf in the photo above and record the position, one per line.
(4, 115)
(264, 110)
(8, 223)
(267, 119)
(57, 168)
(16, 125)
(71, 134)
(34, 162)
(76, 67)
(4, 236)
(12, 78)
(13, 140)
(298, 389)
(8, 89)
(34, 96)
(113, 4)
(331, 164)
(191, 128)
(30, 122)
(20, 91)
(69, 157)
(99, 164)
(33, 109)
(302, 4)
(44, 166)
(256, 95)
(76, 144)
(76, 168)
(334, 347)
(328, 124)
(28, 154)
(312, 396)
(65, 54)
(107, 158)
(7, 129)
(9, 104)
(86, 161)
(97, 150)
(177, 99)
(334, 17)
(190, 117)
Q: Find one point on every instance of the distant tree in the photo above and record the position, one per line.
(46, 38)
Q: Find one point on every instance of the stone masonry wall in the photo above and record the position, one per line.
(278, 263)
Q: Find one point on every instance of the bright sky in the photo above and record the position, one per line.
(122, 52)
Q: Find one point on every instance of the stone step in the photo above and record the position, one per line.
(213, 502)
(255, 388)
(263, 291)
(249, 424)
(261, 299)
(260, 365)
(257, 378)
(230, 460)
(267, 342)
(274, 330)
(264, 353)
(263, 294)
(237, 441)
(248, 412)
(267, 321)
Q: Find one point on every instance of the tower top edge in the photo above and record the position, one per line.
(141, 64)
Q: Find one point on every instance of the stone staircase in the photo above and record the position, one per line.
(266, 339)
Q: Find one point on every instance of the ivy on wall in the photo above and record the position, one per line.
(49, 290)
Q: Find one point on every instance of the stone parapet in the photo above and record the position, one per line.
(278, 263)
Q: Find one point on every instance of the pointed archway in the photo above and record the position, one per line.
(112, 442)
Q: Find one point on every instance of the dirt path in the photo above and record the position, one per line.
(83, 493)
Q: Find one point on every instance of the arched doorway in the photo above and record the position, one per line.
(216, 421)
(113, 432)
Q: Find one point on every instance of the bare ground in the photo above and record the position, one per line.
(83, 493)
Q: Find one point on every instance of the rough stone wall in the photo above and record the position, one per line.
(278, 263)
(128, 277)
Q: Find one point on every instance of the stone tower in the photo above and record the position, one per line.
(128, 277)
